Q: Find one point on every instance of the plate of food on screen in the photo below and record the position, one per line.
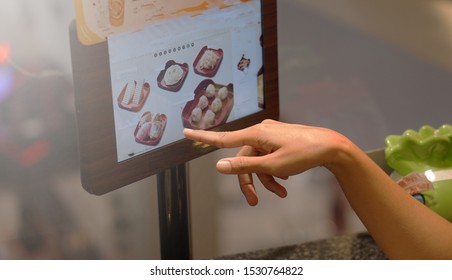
(173, 76)
(150, 128)
(210, 107)
(243, 64)
(133, 95)
(208, 61)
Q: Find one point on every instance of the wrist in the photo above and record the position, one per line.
(342, 156)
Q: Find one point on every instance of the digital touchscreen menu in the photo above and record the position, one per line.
(144, 70)
(176, 64)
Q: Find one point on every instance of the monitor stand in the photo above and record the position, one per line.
(173, 203)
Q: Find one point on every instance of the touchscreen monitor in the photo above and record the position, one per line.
(145, 69)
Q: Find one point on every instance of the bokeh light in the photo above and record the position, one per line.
(6, 71)
(4, 52)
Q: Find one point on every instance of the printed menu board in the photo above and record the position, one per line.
(176, 64)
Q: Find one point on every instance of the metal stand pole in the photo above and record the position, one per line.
(174, 214)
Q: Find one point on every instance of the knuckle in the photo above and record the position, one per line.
(241, 164)
(219, 140)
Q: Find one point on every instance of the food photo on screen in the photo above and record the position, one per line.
(211, 106)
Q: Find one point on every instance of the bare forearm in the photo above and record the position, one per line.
(403, 227)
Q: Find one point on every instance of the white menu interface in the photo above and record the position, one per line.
(197, 70)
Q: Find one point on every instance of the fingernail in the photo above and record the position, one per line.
(224, 166)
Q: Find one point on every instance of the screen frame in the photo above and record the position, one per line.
(99, 168)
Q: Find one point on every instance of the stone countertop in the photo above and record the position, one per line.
(347, 247)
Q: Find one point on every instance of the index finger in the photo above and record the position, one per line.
(223, 139)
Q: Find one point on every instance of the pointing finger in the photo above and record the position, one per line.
(224, 139)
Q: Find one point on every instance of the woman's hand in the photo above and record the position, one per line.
(271, 149)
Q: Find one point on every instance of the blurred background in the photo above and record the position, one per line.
(365, 68)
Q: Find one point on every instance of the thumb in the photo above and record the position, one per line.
(241, 165)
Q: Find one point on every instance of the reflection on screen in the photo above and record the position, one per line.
(197, 70)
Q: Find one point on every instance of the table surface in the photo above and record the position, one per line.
(344, 247)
